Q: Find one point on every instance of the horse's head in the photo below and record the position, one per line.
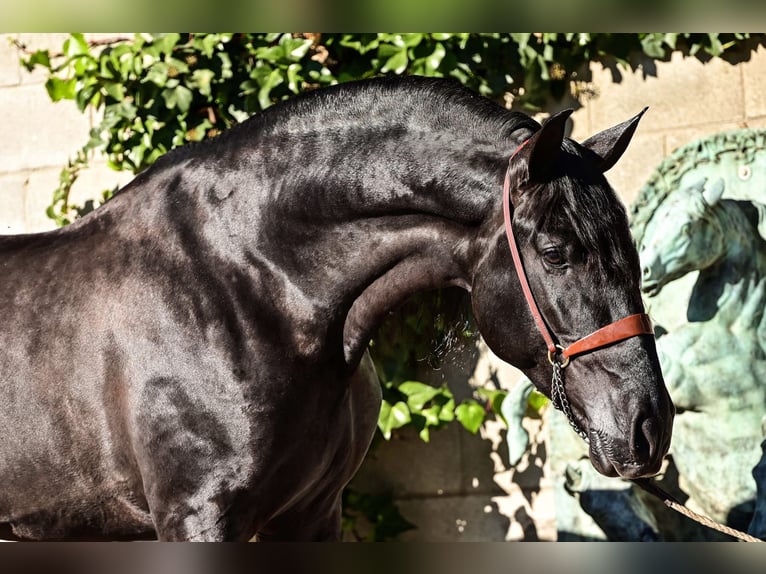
(682, 236)
(583, 270)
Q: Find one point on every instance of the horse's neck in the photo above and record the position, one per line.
(734, 285)
(391, 218)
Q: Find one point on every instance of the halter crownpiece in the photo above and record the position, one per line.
(559, 357)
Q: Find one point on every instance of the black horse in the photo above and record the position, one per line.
(189, 360)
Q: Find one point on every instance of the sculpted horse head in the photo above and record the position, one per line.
(685, 234)
(583, 271)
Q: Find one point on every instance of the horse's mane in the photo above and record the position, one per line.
(413, 102)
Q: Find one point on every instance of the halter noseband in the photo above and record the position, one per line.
(559, 357)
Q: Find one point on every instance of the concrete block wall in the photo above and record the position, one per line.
(687, 99)
(38, 137)
(460, 487)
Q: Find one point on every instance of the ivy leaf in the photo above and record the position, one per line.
(470, 414)
(202, 80)
(393, 417)
(293, 78)
(494, 398)
(396, 58)
(157, 74)
(435, 59)
(296, 48)
(431, 415)
(115, 90)
(179, 97)
(38, 58)
(652, 45)
(418, 394)
(272, 81)
(75, 45)
(447, 411)
(59, 89)
(537, 401)
(166, 42)
(86, 93)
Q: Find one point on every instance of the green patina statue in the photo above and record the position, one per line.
(702, 218)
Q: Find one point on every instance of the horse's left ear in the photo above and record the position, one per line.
(544, 148)
(610, 144)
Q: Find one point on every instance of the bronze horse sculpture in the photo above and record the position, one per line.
(189, 362)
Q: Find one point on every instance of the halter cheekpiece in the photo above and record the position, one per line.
(558, 356)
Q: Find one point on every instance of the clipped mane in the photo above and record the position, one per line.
(430, 105)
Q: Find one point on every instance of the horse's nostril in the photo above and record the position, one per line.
(644, 440)
(646, 272)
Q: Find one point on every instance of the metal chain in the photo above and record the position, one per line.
(560, 401)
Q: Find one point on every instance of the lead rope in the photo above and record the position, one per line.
(651, 487)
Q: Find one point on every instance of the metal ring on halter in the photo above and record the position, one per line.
(562, 364)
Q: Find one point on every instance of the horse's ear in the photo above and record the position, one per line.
(610, 144)
(544, 148)
(712, 193)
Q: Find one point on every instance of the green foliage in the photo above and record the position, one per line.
(412, 402)
(405, 345)
(157, 91)
(372, 517)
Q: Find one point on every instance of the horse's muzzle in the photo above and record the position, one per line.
(647, 444)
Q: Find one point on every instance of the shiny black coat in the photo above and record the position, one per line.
(188, 361)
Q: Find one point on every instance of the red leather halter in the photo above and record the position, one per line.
(631, 326)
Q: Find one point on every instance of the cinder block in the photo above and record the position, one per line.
(580, 119)
(683, 136)
(477, 465)
(756, 123)
(408, 467)
(40, 186)
(683, 92)
(754, 77)
(10, 74)
(92, 182)
(37, 133)
(454, 519)
(644, 153)
(12, 198)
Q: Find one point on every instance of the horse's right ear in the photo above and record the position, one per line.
(544, 147)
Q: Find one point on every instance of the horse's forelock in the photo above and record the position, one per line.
(581, 204)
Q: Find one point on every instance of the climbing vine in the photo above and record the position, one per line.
(157, 91)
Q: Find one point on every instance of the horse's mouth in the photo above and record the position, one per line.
(603, 460)
(598, 456)
(651, 288)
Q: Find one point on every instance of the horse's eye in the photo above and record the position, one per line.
(553, 256)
